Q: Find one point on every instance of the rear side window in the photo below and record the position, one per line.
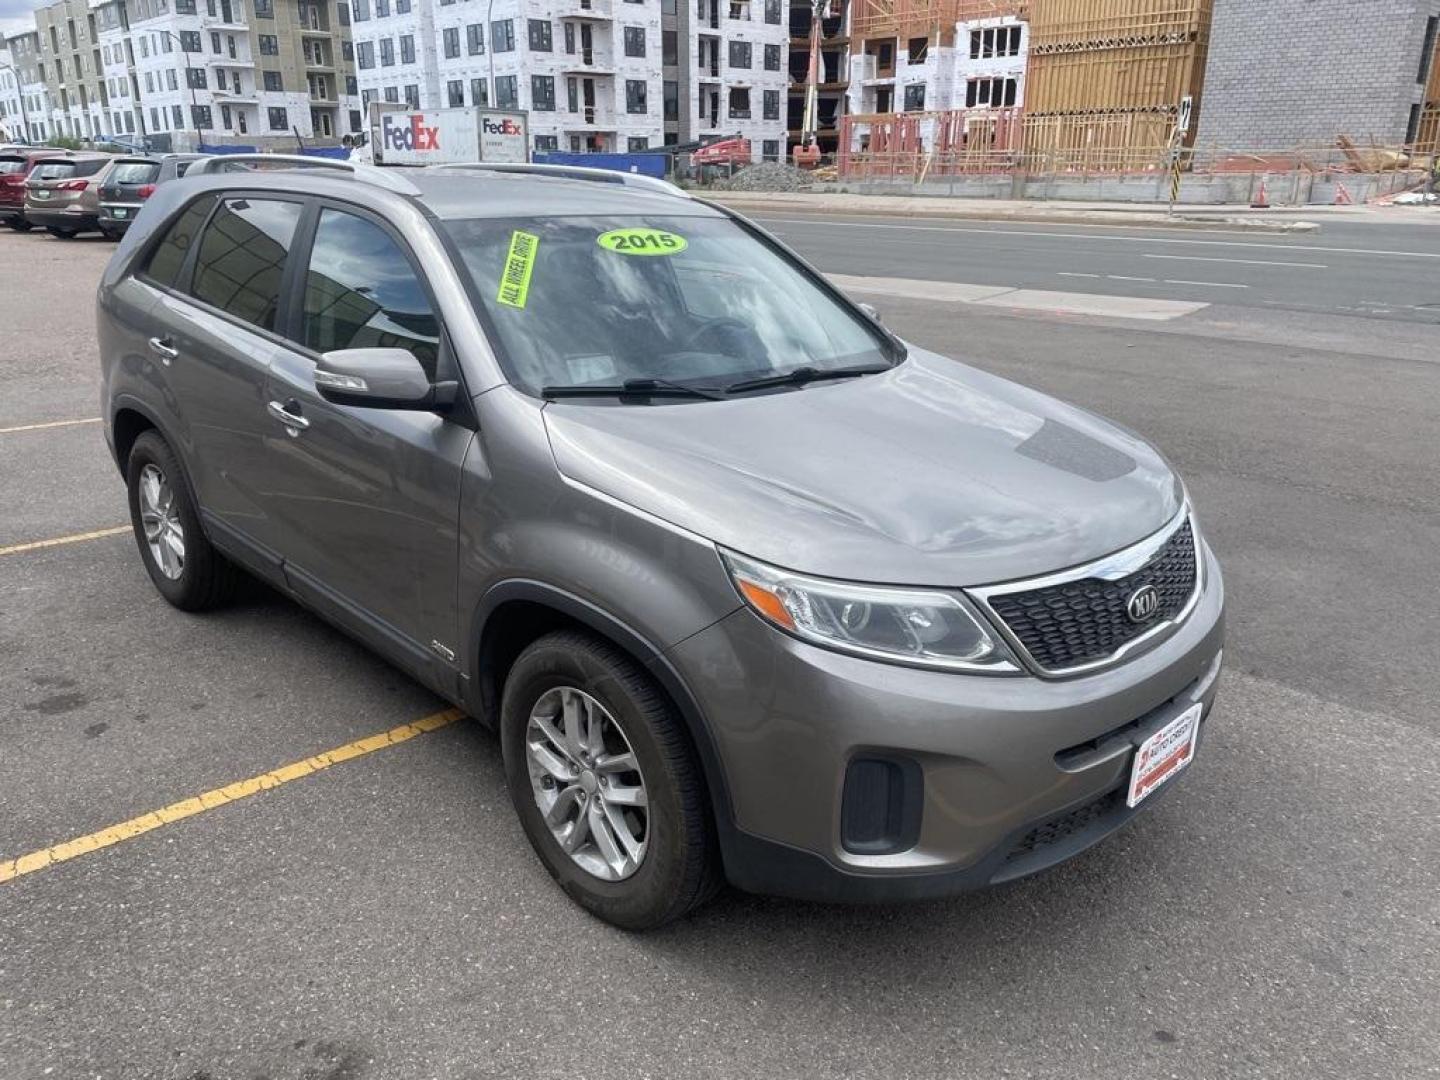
(182, 167)
(242, 258)
(135, 172)
(9, 166)
(168, 258)
(361, 292)
(90, 168)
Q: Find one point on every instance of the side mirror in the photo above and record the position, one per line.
(380, 379)
(870, 310)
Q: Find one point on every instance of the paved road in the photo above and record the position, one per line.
(1377, 271)
(1277, 916)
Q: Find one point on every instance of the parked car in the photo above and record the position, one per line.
(130, 181)
(16, 165)
(751, 588)
(63, 196)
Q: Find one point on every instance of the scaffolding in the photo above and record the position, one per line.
(923, 18)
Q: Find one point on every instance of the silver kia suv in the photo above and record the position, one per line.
(751, 589)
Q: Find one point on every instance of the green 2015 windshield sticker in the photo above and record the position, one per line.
(519, 263)
(642, 242)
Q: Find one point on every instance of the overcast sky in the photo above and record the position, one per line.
(15, 15)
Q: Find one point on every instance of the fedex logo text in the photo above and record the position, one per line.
(408, 133)
(506, 126)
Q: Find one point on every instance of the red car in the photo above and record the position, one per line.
(16, 164)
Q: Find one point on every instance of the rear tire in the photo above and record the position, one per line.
(21, 225)
(185, 568)
(677, 869)
(60, 234)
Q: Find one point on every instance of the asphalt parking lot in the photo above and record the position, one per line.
(379, 913)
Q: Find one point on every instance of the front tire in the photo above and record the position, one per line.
(185, 568)
(603, 777)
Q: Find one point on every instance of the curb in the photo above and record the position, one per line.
(1029, 216)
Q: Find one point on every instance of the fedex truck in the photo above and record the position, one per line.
(403, 136)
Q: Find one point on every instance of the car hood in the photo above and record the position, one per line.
(933, 473)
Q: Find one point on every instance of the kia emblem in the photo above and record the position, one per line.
(1144, 602)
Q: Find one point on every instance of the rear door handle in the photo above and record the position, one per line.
(162, 348)
(292, 420)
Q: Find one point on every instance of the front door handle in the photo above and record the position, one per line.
(291, 419)
(162, 348)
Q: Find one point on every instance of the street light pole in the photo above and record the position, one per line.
(194, 105)
(20, 92)
(490, 49)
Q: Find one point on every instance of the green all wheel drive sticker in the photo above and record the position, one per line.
(519, 263)
(642, 242)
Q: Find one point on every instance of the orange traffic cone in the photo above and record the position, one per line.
(1342, 195)
(1261, 201)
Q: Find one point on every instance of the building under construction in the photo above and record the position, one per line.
(831, 72)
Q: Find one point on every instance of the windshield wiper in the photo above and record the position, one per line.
(633, 388)
(802, 375)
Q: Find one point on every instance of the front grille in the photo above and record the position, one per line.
(1085, 621)
(1066, 826)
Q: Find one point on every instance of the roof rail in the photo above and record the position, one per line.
(574, 172)
(211, 164)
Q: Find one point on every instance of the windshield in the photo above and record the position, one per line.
(698, 301)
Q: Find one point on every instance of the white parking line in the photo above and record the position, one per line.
(1122, 277)
(48, 424)
(1207, 284)
(1065, 273)
(1242, 262)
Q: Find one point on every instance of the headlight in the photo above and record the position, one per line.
(907, 626)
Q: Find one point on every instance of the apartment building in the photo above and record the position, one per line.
(980, 64)
(594, 75)
(24, 60)
(12, 110)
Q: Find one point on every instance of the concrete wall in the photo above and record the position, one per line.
(1284, 72)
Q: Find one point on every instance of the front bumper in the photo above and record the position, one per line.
(1007, 776)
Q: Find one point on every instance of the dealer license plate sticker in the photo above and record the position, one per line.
(1163, 755)
(121, 212)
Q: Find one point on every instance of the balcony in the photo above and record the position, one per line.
(587, 64)
(589, 120)
(588, 10)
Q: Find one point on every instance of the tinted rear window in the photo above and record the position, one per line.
(135, 172)
(242, 258)
(55, 170)
(168, 258)
(9, 166)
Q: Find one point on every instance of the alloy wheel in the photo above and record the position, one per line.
(160, 519)
(587, 783)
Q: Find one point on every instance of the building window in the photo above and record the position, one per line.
(184, 7)
(545, 143)
(635, 96)
(669, 54)
(572, 95)
(475, 39)
(412, 95)
(993, 93)
(347, 50)
(269, 45)
(1427, 55)
(387, 52)
(996, 41)
(195, 78)
(772, 12)
(365, 55)
(190, 41)
(171, 83)
(407, 48)
(451, 38)
(739, 54)
(392, 95)
(540, 39)
(342, 12)
(382, 9)
(637, 144)
(479, 92)
(177, 116)
(455, 93)
(919, 48)
(502, 36)
(505, 95)
(154, 118)
(634, 41)
(200, 117)
(739, 103)
(274, 82)
(402, 7)
(356, 123)
(771, 105)
(542, 93)
(772, 57)
(570, 37)
(279, 121)
(671, 91)
(265, 9)
(915, 97)
(362, 10)
(214, 42)
(770, 150)
(352, 87)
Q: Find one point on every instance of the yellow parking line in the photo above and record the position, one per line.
(241, 789)
(74, 538)
(50, 424)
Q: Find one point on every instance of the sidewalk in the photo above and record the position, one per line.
(1058, 213)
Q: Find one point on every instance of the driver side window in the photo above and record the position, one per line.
(361, 291)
